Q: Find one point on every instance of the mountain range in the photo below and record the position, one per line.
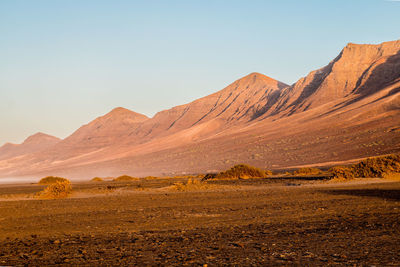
(347, 110)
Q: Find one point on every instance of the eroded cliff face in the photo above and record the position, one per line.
(358, 71)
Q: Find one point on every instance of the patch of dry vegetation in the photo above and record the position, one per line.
(97, 179)
(98, 190)
(240, 171)
(307, 171)
(341, 172)
(191, 185)
(147, 178)
(125, 178)
(59, 189)
(52, 180)
(377, 167)
(187, 176)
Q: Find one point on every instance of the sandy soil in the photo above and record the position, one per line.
(251, 222)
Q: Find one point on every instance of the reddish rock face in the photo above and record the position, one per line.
(349, 109)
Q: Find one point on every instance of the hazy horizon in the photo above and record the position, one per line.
(65, 63)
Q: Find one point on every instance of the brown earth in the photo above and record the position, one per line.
(250, 222)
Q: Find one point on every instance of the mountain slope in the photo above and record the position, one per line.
(347, 110)
(241, 101)
(122, 128)
(122, 131)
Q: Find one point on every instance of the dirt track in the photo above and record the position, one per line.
(267, 223)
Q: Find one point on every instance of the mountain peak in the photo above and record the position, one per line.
(105, 130)
(371, 50)
(256, 79)
(256, 76)
(40, 137)
(387, 44)
(121, 112)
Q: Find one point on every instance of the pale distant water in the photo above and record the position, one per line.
(19, 180)
(28, 180)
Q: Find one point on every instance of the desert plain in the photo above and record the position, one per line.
(264, 221)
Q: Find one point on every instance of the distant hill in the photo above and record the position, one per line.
(34, 143)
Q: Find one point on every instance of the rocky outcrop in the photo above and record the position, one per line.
(358, 71)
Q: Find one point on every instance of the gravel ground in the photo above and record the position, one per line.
(262, 224)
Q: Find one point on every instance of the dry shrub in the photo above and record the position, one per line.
(371, 167)
(209, 176)
(125, 178)
(56, 190)
(377, 167)
(341, 172)
(97, 179)
(307, 171)
(191, 185)
(240, 171)
(52, 180)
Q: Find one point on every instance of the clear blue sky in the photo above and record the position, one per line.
(64, 63)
